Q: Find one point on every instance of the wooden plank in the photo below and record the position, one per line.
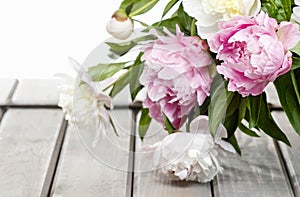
(272, 96)
(7, 87)
(258, 172)
(28, 140)
(46, 92)
(37, 92)
(291, 155)
(147, 183)
(81, 172)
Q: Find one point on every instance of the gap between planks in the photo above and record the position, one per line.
(290, 154)
(131, 159)
(284, 166)
(50, 176)
(48, 181)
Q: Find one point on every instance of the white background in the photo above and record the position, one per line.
(38, 36)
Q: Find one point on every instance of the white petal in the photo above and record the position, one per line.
(119, 29)
(192, 8)
(221, 132)
(252, 7)
(82, 73)
(182, 174)
(206, 32)
(296, 14)
(200, 125)
(157, 158)
(103, 98)
(193, 153)
(208, 160)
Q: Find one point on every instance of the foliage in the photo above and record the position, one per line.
(250, 114)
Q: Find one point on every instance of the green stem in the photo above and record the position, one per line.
(107, 87)
(193, 27)
(142, 23)
(294, 81)
(142, 8)
(112, 84)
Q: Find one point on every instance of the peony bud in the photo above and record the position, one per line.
(120, 26)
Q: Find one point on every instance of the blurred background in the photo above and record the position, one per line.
(38, 36)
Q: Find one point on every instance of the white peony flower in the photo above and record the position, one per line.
(296, 12)
(190, 156)
(209, 12)
(84, 103)
(120, 25)
(66, 97)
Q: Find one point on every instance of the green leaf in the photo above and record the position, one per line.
(135, 73)
(113, 126)
(242, 108)
(295, 84)
(169, 126)
(286, 5)
(232, 140)
(144, 123)
(192, 115)
(216, 83)
(169, 23)
(231, 123)
(296, 63)
(122, 48)
(279, 9)
(254, 109)
(220, 99)
(137, 7)
(233, 105)
(104, 71)
(142, 23)
(204, 106)
(247, 131)
(193, 27)
(186, 22)
(288, 99)
(127, 5)
(119, 84)
(169, 7)
(267, 123)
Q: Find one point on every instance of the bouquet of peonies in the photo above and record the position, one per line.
(203, 68)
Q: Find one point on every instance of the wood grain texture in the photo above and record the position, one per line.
(6, 87)
(150, 184)
(291, 155)
(37, 92)
(27, 142)
(82, 174)
(258, 172)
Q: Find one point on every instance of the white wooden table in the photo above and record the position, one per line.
(41, 155)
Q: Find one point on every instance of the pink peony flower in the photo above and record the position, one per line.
(176, 75)
(254, 51)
